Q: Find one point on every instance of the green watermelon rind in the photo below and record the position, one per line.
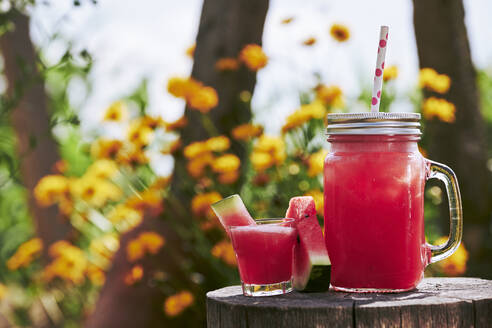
(228, 205)
(318, 279)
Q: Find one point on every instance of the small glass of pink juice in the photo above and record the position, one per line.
(265, 254)
(374, 179)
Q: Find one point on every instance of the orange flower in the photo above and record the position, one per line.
(228, 177)
(287, 20)
(227, 64)
(454, 265)
(200, 204)
(431, 80)
(226, 163)
(218, 144)
(177, 303)
(309, 41)
(105, 148)
(340, 32)
(190, 52)
(179, 123)
(25, 254)
(147, 200)
(146, 242)
(204, 99)
(197, 165)
(330, 95)
(135, 275)
(246, 131)
(253, 57)
(390, 73)
(440, 108)
(225, 252)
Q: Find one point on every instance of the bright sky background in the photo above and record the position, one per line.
(131, 40)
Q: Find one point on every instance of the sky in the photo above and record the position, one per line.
(132, 40)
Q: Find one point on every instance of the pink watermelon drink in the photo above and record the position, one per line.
(374, 220)
(265, 255)
(231, 211)
(312, 264)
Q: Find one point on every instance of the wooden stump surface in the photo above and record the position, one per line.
(437, 302)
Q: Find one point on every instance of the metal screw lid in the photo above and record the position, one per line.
(373, 123)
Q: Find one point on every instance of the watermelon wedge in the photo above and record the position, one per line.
(232, 212)
(312, 266)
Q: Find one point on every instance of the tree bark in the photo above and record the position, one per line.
(225, 27)
(31, 121)
(442, 44)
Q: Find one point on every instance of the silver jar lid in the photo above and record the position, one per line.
(373, 123)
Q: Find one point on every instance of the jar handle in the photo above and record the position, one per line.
(442, 172)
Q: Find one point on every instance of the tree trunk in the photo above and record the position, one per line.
(225, 27)
(442, 44)
(31, 121)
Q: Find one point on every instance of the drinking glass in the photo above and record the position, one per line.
(265, 254)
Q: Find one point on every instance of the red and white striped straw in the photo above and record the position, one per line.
(378, 77)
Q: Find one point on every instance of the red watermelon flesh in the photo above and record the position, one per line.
(312, 264)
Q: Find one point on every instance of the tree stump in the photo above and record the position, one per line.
(437, 302)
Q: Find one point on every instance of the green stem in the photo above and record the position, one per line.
(209, 125)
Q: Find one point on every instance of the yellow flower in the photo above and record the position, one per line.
(226, 163)
(151, 241)
(195, 149)
(25, 254)
(134, 250)
(390, 73)
(132, 155)
(330, 95)
(314, 110)
(179, 123)
(180, 87)
(105, 148)
(197, 165)
(95, 191)
(224, 251)
(148, 200)
(125, 217)
(96, 275)
(440, 108)
(190, 51)
(117, 112)
(246, 131)
(316, 162)
(139, 134)
(454, 265)
(103, 169)
(218, 144)
(253, 57)
(431, 80)
(309, 41)
(104, 246)
(177, 303)
(318, 200)
(227, 64)
(51, 189)
(204, 99)
(135, 275)
(261, 161)
(340, 32)
(146, 242)
(275, 146)
(287, 20)
(3, 291)
(228, 177)
(200, 204)
(69, 263)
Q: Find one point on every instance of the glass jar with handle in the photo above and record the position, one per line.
(374, 178)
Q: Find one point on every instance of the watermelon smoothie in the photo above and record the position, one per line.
(265, 251)
(373, 208)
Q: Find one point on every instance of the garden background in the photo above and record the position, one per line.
(122, 121)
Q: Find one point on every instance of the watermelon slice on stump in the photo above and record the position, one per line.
(312, 264)
(231, 211)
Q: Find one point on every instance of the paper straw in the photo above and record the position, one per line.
(378, 74)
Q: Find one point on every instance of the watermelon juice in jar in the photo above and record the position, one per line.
(374, 178)
(265, 253)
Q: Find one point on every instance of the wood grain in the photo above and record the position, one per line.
(437, 302)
